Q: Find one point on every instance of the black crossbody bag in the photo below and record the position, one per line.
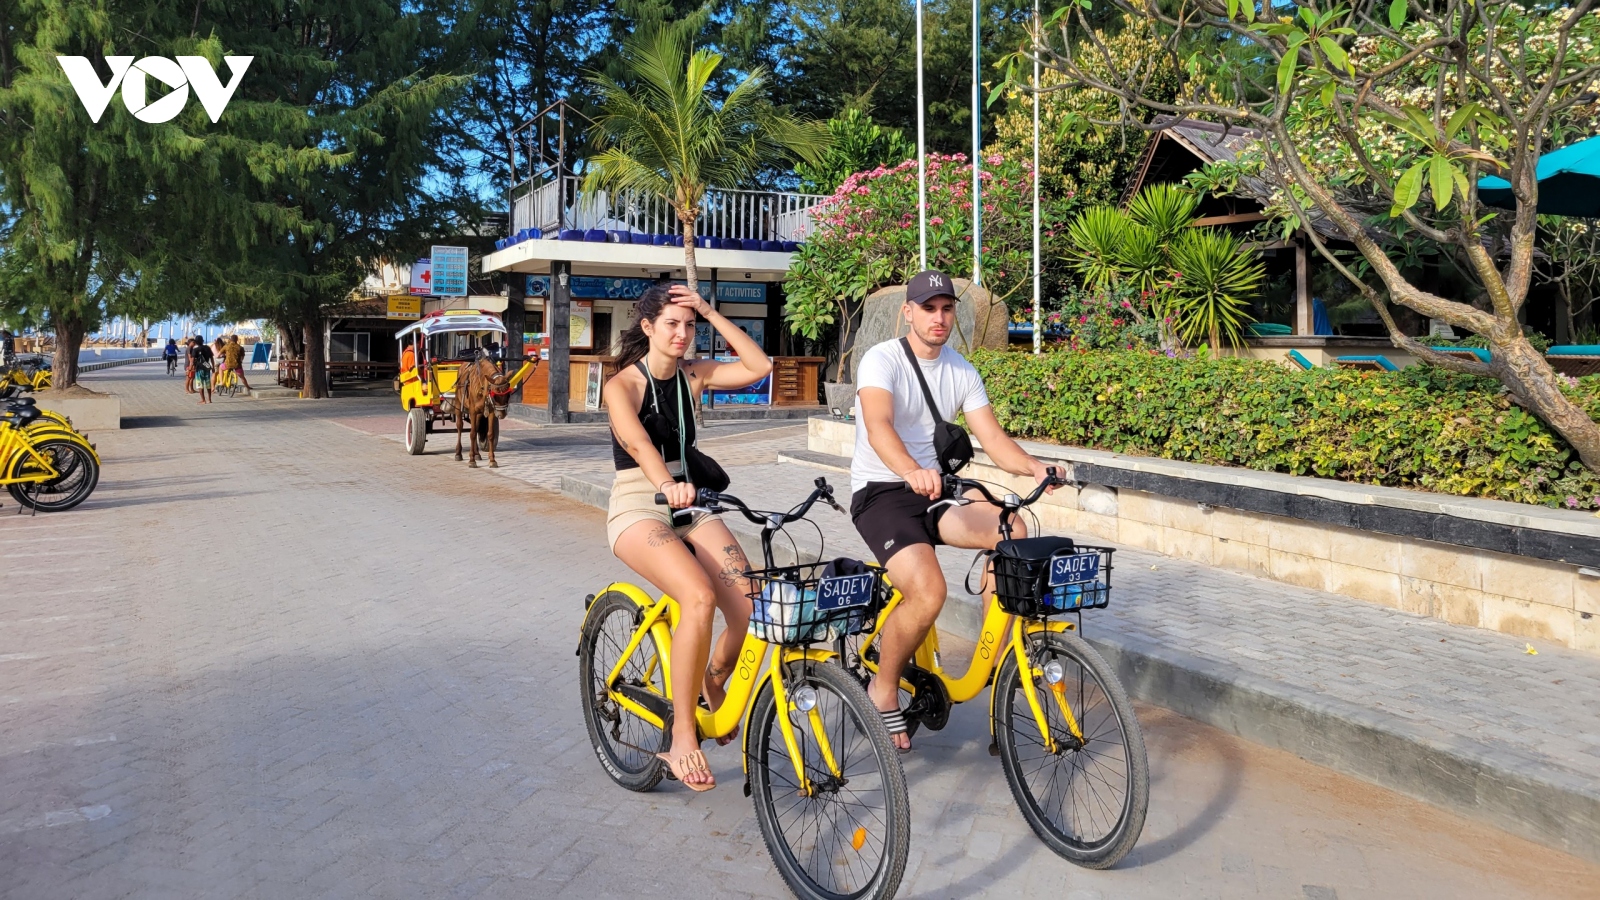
(950, 442)
(698, 467)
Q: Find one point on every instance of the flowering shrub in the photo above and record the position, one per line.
(1421, 427)
(865, 236)
(1113, 318)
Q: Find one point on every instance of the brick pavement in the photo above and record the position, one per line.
(276, 657)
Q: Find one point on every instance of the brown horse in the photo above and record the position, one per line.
(482, 392)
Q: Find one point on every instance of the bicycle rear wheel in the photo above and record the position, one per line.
(625, 744)
(77, 475)
(1087, 800)
(849, 838)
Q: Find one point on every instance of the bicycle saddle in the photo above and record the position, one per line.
(20, 416)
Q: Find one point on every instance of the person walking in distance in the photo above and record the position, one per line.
(188, 364)
(908, 392)
(203, 361)
(233, 359)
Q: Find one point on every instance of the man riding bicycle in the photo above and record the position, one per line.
(901, 447)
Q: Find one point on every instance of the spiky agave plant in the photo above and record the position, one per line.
(1216, 278)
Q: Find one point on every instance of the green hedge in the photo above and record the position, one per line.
(1421, 427)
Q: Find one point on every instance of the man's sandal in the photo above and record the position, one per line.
(894, 720)
(689, 762)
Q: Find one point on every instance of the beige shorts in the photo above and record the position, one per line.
(633, 500)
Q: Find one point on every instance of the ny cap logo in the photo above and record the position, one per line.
(936, 280)
(180, 76)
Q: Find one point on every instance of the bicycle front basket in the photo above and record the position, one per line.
(815, 602)
(1039, 580)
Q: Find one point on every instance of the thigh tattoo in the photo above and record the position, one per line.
(734, 564)
(660, 536)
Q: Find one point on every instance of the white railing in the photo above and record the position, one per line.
(750, 215)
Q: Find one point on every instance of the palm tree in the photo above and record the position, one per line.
(665, 135)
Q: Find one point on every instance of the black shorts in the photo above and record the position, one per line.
(890, 516)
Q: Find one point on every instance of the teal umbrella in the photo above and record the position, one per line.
(1569, 182)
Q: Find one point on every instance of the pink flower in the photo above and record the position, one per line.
(936, 220)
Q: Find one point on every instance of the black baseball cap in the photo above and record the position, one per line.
(924, 286)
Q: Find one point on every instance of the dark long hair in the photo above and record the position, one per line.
(635, 343)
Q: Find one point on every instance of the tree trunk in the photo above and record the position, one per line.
(1536, 387)
(690, 273)
(69, 340)
(316, 368)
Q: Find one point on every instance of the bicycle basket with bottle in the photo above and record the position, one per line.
(1044, 576)
(815, 602)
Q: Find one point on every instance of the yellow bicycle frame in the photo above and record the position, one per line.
(660, 619)
(986, 658)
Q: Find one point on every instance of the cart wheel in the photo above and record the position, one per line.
(416, 430)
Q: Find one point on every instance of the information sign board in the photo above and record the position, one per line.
(449, 271)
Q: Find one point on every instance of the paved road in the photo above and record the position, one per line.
(275, 657)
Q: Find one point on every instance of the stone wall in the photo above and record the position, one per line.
(1535, 598)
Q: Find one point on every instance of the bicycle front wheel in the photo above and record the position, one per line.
(848, 835)
(625, 744)
(77, 473)
(1086, 798)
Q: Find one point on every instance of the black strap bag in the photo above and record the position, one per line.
(950, 442)
(701, 470)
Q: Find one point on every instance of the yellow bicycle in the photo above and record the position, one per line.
(44, 463)
(24, 375)
(1059, 719)
(829, 794)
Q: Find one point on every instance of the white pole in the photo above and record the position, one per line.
(977, 149)
(922, 157)
(1038, 328)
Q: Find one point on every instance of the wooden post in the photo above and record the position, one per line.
(557, 316)
(1303, 319)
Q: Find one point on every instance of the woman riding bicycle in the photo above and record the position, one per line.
(692, 557)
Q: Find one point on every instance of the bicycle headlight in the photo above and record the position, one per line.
(1054, 672)
(805, 698)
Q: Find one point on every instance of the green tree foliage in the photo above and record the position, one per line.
(668, 136)
(1083, 152)
(858, 144)
(364, 85)
(1379, 118)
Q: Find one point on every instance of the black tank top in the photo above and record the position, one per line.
(661, 424)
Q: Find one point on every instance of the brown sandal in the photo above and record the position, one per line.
(685, 764)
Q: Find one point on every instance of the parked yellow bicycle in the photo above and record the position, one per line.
(23, 375)
(1059, 719)
(829, 793)
(44, 463)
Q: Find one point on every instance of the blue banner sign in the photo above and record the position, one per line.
(592, 287)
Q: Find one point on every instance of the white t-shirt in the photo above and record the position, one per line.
(956, 387)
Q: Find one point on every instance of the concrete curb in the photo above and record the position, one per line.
(1550, 807)
(113, 363)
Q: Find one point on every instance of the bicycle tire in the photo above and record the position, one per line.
(78, 472)
(607, 629)
(855, 733)
(1090, 685)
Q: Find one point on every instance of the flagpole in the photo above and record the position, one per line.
(922, 157)
(977, 150)
(1038, 332)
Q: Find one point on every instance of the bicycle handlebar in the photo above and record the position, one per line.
(712, 502)
(955, 487)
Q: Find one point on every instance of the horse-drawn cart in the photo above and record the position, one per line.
(432, 352)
